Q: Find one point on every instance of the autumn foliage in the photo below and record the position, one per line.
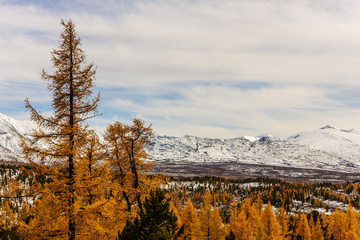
(78, 186)
(82, 187)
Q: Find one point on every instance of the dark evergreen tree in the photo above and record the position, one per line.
(154, 221)
(231, 236)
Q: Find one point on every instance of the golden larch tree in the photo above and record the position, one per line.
(283, 219)
(271, 226)
(55, 148)
(190, 219)
(337, 226)
(127, 160)
(251, 212)
(303, 229)
(211, 227)
(243, 228)
(317, 232)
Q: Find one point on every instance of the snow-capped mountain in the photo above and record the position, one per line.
(11, 131)
(321, 149)
(327, 148)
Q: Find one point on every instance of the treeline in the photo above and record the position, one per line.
(288, 195)
(250, 219)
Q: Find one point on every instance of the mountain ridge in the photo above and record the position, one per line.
(327, 148)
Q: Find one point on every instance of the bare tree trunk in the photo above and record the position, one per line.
(71, 155)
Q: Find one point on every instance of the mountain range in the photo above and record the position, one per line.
(324, 149)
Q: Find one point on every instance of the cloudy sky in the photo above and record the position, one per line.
(211, 68)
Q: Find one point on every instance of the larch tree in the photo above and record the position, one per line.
(303, 230)
(283, 220)
(337, 226)
(126, 159)
(211, 227)
(317, 232)
(242, 228)
(352, 223)
(99, 216)
(58, 138)
(250, 212)
(271, 226)
(190, 219)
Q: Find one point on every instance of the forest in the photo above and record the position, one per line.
(77, 185)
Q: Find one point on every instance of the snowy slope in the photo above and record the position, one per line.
(265, 151)
(342, 143)
(11, 131)
(326, 148)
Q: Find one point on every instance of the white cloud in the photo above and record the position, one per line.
(277, 110)
(304, 49)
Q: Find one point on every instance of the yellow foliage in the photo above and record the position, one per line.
(211, 227)
(189, 218)
(303, 230)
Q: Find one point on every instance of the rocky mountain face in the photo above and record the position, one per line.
(11, 131)
(327, 148)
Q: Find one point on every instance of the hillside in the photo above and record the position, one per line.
(327, 151)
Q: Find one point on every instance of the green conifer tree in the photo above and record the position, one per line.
(154, 222)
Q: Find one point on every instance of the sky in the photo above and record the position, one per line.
(210, 68)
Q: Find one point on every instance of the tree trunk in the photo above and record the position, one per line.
(71, 226)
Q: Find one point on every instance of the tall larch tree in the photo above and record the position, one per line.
(211, 227)
(127, 159)
(303, 230)
(250, 212)
(283, 220)
(54, 151)
(317, 232)
(338, 225)
(271, 226)
(190, 219)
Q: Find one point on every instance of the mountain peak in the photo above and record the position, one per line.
(328, 127)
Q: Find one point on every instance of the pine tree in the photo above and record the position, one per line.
(55, 150)
(155, 220)
(210, 221)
